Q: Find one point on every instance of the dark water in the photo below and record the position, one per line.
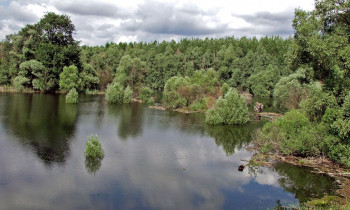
(153, 160)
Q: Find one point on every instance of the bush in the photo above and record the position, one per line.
(19, 82)
(292, 134)
(263, 82)
(224, 88)
(291, 90)
(198, 105)
(346, 105)
(229, 110)
(89, 77)
(69, 78)
(172, 99)
(72, 97)
(150, 101)
(114, 93)
(183, 91)
(318, 101)
(127, 95)
(145, 93)
(208, 78)
(93, 148)
(338, 151)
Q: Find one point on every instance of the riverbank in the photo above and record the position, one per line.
(319, 165)
(10, 89)
(182, 110)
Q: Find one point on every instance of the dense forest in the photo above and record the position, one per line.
(44, 49)
(308, 74)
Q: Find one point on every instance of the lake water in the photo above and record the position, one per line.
(153, 160)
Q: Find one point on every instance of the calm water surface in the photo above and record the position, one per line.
(153, 160)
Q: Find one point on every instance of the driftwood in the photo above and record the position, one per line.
(157, 107)
(270, 115)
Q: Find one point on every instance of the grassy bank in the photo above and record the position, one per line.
(10, 89)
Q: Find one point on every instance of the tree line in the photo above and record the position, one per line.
(36, 56)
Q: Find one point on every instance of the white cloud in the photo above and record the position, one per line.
(148, 20)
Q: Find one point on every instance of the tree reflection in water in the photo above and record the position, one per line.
(92, 165)
(300, 181)
(45, 123)
(232, 137)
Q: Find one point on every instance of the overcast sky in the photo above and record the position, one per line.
(101, 21)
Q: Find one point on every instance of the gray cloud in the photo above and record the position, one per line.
(89, 8)
(100, 22)
(19, 13)
(162, 18)
(266, 23)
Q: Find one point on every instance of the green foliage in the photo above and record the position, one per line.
(173, 100)
(114, 93)
(317, 102)
(41, 79)
(346, 106)
(213, 61)
(290, 90)
(171, 96)
(72, 97)
(89, 77)
(292, 134)
(93, 148)
(224, 88)
(145, 93)
(127, 95)
(40, 51)
(150, 101)
(20, 81)
(209, 78)
(199, 105)
(263, 82)
(338, 151)
(229, 110)
(181, 92)
(69, 78)
(322, 41)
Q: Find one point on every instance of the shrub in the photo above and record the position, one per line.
(208, 78)
(19, 82)
(318, 101)
(72, 97)
(114, 93)
(198, 105)
(173, 100)
(229, 110)
(127, 95)
(89, 77)
(263, 82)
(150, 101)
(93, 148)
(346, 105)
(291, 90)
(292, 134)
(224, 88)
(338, 151)
(69, 78)
(184, 91)
(145, 93)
